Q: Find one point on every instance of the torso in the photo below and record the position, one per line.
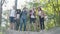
(18, 15)
(32, 14)
(41, 14)
(12, 13)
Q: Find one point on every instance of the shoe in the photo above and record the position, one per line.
(41, 31)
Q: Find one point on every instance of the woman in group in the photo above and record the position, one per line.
(32, 15)
(41, 15)
(18, 11)
(23, 19)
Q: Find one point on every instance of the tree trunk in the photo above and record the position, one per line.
(15, 4)
(0, 12)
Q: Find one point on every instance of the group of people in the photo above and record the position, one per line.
(19, 17)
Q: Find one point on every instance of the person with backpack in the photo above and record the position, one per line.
(18, 11)
(23, 18)
(32, 15)
(41, 15)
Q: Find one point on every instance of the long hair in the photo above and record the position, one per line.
(39, 9)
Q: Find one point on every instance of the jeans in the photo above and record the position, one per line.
(22, 21)
(42, 26)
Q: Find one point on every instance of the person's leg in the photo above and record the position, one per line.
(21, 23)
(11, 25)
(24, 21)
(43, 26)
(31, 24)
(17, 24)
(34, 21)
(34, 26)
(40, 22)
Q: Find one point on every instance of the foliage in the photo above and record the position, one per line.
(0, 32)
(50, 7)
(52, 10)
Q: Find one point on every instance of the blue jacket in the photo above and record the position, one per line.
(23, 14)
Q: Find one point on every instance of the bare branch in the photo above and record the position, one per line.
(3, 2)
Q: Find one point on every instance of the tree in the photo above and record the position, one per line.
(16, 4)
(52, 9)
(1, 4)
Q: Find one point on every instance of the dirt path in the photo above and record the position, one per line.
(55, 30)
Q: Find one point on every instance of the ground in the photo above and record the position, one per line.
(55, 30)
